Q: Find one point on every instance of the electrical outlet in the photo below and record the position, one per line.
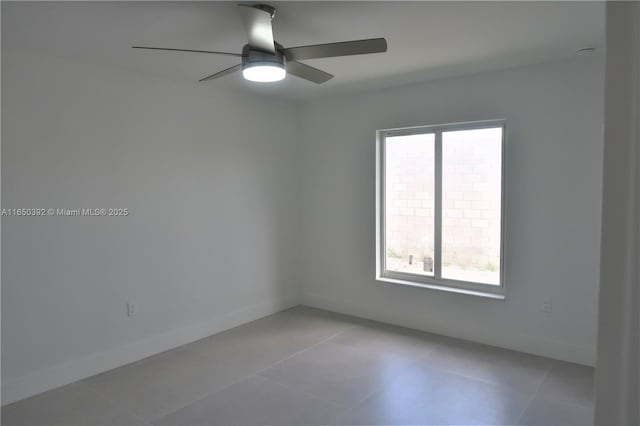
(131, 309)
(547, 306)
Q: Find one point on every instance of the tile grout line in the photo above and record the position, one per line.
(301, 391)
(533, 395)
(425, 359)
(485, 381)
(348, 407)
(176, 349)
(345, 408)
(386, 382)
(243, 378)
(86, 381)
(304, 350)
(565, 401)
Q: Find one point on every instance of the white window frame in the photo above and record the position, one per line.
(436, 282)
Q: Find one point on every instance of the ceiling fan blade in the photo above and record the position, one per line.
(257, 23)
(222, 73)
(345, 48)
(239, 55)
(307, 72)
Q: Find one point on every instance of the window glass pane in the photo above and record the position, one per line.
(471, 205)
(409, 203)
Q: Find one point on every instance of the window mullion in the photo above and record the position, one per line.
(437, 214)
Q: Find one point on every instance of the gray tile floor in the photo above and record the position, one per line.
(305, 366)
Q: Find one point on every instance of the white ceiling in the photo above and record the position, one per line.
(426, 40)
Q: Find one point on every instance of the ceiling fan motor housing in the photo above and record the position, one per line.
(254, 57)
(267, 8)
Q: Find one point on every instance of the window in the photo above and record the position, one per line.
(440, 207)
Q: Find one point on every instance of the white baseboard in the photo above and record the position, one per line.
(585, 355)
(78, 369)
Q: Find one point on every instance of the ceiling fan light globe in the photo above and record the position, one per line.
(263, 73)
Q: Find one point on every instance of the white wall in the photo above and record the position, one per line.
(553, 160)
(209, 180)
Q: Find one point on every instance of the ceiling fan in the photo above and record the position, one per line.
(265, 60)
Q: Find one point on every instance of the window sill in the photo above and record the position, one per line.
(468, 292)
